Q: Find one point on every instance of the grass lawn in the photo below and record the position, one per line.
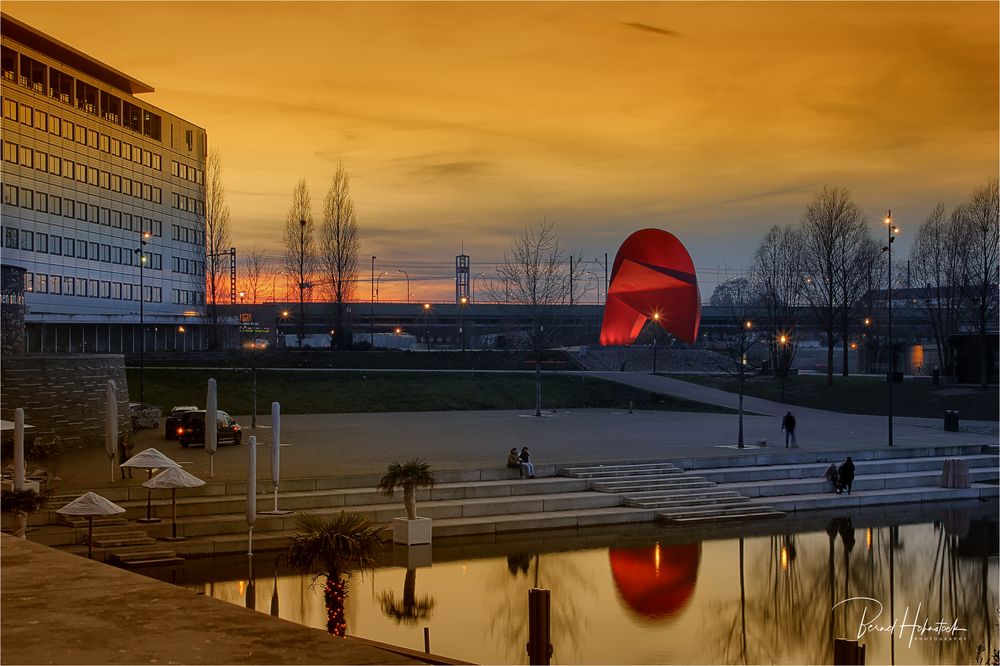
(867, 395)
(332, 392)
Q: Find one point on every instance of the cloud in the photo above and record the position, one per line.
(652, 28)
(460, 169)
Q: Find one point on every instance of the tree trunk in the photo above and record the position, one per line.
(741, 414)
(538, 385)
(410, 501)
(410, 592)
(845, 328)
(829, 350)
(335, 596)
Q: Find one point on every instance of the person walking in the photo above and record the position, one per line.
(124, 453)
(788, 427)
(526, 463)
(846, 475)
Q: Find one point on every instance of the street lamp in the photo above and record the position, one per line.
(427, 337)
(892, 231)
(474, 277)
(371, 321)
(142, 314)
(277, 330)
(302, 281)
(462, 303)
(783, 362)
(378, 284)
(400, 270)
(656, 326)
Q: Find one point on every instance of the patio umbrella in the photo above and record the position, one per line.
(174, 478)
(111, 424)
(18, 449)
(252, 491)
(149, 460)
(276, 453)
(211, 427)
(90, 506)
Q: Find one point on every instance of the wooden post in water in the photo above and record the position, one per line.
(539, 648)
(427, 640)
(848, 653)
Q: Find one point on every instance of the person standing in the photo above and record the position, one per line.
(124, 453)
(529, 466)
(846, 474)
(788, 427)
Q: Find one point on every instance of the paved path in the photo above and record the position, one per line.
(344, 444)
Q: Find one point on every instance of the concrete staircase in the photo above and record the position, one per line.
(675, 495)
(116, 541)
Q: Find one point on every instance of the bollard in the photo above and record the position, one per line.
(539, 648)
(629, 406)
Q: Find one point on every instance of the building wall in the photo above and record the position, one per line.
(79, 191)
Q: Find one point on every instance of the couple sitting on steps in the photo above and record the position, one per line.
(522, 462)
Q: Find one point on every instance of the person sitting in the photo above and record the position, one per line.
(526, 463)
(846, 475)
(514, 461)
(833, 477)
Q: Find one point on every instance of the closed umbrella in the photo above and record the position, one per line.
(276, 453)
(252, 491)
(149, 460)
(211, 427)
(18, 449)
(111, 424)
(90, 506)
(174, 478)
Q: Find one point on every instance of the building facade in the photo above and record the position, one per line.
(103, 203)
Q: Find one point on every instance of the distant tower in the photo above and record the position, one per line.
(462, 276)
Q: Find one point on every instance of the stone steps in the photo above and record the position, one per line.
(816, 469)
(831, 500)
(629, 469)
(801, 486)
(106, 539)
(728, 517)
(111, 521)
(723, 497)
(145, 558)
(741, 512)
(640, 485)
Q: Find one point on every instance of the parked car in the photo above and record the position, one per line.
(174, 420)
(192, 428)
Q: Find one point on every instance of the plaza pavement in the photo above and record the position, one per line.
(347, 444)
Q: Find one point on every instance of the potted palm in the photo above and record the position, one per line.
(409, 476)
(21, 503)
(328, 547)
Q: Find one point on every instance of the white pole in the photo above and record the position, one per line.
(211, 425)
(111, 424)
(275, 449)
(18, 449)
(252, 491)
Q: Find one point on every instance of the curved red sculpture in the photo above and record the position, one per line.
(656, 581)
(652, 278)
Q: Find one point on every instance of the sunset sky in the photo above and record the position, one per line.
(469, 121)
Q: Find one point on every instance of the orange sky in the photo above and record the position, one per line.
(469, 121)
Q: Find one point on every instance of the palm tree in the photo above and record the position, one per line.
(409, 476)
(328, 546)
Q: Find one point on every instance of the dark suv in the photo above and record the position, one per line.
(174, 420)
(192, 428)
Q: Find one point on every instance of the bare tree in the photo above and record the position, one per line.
(300, 248)
(830, 221)
(936, 259)
(728, 291)
(255, 277)
(980, 229)
(339, 247)
(778, 283)
(533, 278)
(217, 241)
(857, 249)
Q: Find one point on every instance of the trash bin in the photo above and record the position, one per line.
(951, 420)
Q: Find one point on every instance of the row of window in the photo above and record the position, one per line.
(79, 210)
(182, 202)
(32, 241)
(38, 77)
(186, 235)
(187, 172)
(28, 157)
(41, 283)
(84, 136)
(187, 297)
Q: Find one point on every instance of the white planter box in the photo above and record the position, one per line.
(410, 532)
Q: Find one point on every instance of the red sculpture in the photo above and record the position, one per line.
(656, 581)
(652, 278)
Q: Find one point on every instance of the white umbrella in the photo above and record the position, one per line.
(149, 460)
(211, 427)
(252, 491)
(91, 505)
(174, 478)
(275, 450)
(18, 449)
(111, 424)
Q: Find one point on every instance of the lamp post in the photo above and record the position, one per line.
(277, 330)
(378, 284)
(474, 278)
(783, 362)
(427, 337)
(462, 303)
(656, 326)
(142, 314)
(302, 281)
(892, 231)
(400, 270)
(371, 321)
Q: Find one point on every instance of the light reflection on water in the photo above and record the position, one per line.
(651, 596)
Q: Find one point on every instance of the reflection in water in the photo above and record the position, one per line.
(409, 609)
(656, 581)
(755, 599)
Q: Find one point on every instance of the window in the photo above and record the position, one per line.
(116, 290)
(116, 183)
(92, 175)
(105, 289)
(55, 166)
(157, 294)
(27, 241)
(68, 284)
(156, 162)
(26, 114)
(126, 151)
(127, 292)
(10, 152)
(55, 206)
(92, 138)
(157, 195)
(184, 171)
(127, 222)
(189, 139)
(176, 200)
(147, 192)
(27, 156)
(81, 252)
(126, 186)
(104, 142)
(42, 244)
(176, 293)
(104, 179)
(41, 202)
(67, 130)
(116, 255)
(147, 158)
(42, 283)
(116, 147)
(116, 219)
(105, 253)
(81, 134)
(106, 217)
(93, 214)
(10, 197)
(174, 168)
(81, 173)
(55, 284)
(27, 198)
(137, 154)
(93, 251)
(67, 168)
(55, 125)
(157, 228)
(68, 246)
(137, 189)
(69, 206)
(55, 244)
(29, 281)
(42, 121)
(92, 288)
(41, 161)
(10, 109)
(157, 262)
(175, 265)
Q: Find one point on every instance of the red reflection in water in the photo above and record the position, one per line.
(656, 581)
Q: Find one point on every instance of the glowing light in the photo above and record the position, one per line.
(784, 557)
(854, 345)
(398, 330)
(749, 324)
(284, 313)
(656, 558)
(783, 339)
(868, 322)
(868, 539)
(427, 306)
(180, 329)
